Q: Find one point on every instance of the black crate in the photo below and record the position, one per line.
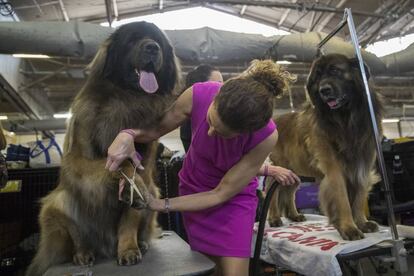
(18, 216)
(167, 180)
(399, 160)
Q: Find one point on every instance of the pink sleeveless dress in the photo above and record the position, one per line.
(224, 230)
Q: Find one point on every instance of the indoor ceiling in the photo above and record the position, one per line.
(54, 82)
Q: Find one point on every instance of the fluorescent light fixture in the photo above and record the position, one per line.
(62, 115)
(391, 120)
(3, 117)
(29, 56)
(283, 62)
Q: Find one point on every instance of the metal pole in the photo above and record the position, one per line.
(380, 156)
(331, 34)
(397, 251)
(255, 262)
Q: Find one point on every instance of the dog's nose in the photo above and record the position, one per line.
(152, 48)
(326, 90)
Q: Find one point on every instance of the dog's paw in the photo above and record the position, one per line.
(83, 258)
(129, 257)
(368, 227)
(298, 218)
(350, 233)
(276, 222)
(143, 246)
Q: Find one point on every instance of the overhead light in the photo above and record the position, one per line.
(3, 117)
(62, 115)
(30, 56)
(283, 62)
(391, 120)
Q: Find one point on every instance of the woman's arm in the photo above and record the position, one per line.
(179, 111)
(282, 175)
(123, 145)
(233, 182)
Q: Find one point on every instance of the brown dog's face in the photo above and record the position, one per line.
(334, 82)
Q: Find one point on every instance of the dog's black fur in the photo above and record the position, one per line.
(82, 218)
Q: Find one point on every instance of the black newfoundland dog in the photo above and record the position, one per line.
(130, 86)
(332, 140)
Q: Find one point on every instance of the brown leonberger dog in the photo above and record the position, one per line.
(332, 140)
(130, 85)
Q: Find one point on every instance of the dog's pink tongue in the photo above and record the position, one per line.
(332, 103)
(148, 82)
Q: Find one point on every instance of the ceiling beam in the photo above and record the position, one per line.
(63, 9)
(243, 10)
(24, 102)
(108, 9)
(285, 15)
(51, 3)
(220, 8)
(123, 14)
(115, 8)
(376, 34)
(296, 6)
(329, 17)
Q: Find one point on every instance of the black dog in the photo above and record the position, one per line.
(130, 86)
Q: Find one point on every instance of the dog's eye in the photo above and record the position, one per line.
(335, 71)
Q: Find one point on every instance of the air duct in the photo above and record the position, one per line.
(205, 45)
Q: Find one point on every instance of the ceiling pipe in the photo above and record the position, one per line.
(205, 45)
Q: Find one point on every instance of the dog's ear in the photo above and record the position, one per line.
(170, 71)
(355, 64)
(112, 58)
(313, 78)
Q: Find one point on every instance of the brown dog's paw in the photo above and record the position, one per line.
(298, 218)
(369, 227)
(129, 257)
(277, 222)
(350, 233)
(143, 246)
(83, 258)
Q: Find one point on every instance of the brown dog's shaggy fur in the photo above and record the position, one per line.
(331, 140)
(82, 218)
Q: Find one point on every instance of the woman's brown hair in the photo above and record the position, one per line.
(245, 103)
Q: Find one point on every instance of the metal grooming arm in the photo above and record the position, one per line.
(398, 250)
(255, 262)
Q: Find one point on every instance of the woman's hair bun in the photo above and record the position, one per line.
(271, 75)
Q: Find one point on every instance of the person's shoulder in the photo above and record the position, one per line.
(206, 90)
(207, 85)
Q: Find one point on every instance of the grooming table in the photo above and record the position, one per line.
(167, 256)
(299, 246)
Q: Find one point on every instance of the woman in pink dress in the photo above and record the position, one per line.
(232, 134)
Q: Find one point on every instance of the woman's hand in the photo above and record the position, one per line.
(154, 204)
(284, 176)
(121, 149)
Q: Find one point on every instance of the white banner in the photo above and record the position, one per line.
(310, 247)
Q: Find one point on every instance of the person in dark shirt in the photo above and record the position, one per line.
(201, 73)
